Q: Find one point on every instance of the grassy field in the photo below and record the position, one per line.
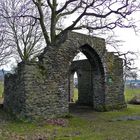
(1, 92)
(1, 89)
(75, 97)
(130, 93)
(92, 126)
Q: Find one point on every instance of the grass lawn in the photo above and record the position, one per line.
(93, 126)
(131, 92)
(1, 92)
(1, 89)
(100, 127)
(75, 97)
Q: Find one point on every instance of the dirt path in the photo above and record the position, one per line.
(85, 112)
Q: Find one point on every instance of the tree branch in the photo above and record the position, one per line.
(49, 3)
(65, 6)
(42, 23)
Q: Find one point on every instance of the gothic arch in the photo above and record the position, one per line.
(90, 77)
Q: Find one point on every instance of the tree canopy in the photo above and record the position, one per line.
(27, 21)
(56, 18)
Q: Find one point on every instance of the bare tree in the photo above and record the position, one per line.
(87, 14)
(56, 18)
(128, 57)
(99, 17)
(23, 34)
(5, 50)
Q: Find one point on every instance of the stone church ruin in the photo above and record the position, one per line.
(42, 89)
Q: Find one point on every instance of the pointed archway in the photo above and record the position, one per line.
(90, 78)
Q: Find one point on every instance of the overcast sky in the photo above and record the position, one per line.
(131, 41)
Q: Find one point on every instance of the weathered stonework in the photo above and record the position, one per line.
(85, 85)
(41, 89)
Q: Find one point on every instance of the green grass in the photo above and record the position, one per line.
(100, 127)
(1, 89)
(75, 97)
(130, 93)
(93, 126)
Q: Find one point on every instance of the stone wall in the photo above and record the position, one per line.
(114, 82)
(27, 94)
(41, 89)
(14, 95)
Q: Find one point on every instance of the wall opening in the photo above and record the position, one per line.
(73, 93)
(80, 80)
(90, 76)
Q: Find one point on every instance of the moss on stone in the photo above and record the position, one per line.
(43, 85)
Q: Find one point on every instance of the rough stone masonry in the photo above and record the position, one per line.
(42, 89)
